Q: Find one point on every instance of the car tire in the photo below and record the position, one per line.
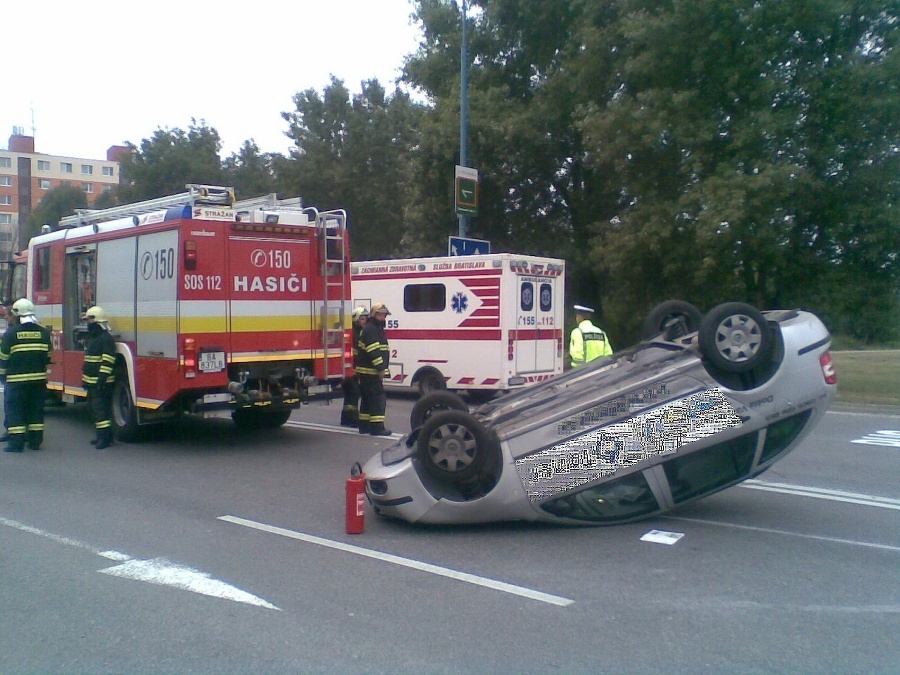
(735, 337)
(435, 402)
(430, 381)
(454, 446)
(673, 319)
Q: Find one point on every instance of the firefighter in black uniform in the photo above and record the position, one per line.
(350, 385)
(374, 364)
(24, 357)
(97, 375)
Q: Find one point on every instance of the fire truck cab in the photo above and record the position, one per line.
(214, 304)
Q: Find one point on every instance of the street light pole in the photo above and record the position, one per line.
(464, 112)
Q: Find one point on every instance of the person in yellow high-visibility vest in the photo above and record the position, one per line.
(587, 342)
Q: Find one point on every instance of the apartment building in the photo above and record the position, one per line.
(26, 176)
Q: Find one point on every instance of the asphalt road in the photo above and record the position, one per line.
(208, 550)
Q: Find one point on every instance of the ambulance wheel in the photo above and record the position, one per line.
(735, 337)
(454, 446)
(258, 419)
(124, 412)
(671, 319)
(435, 402)
(431, 380)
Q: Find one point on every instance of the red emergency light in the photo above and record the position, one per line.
(190, 254)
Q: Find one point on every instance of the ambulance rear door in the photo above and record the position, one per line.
(535, 344)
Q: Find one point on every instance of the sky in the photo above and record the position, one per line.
(81, 77)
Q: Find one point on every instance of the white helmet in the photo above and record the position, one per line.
(95, 313)
(358, 312)
(23, 307)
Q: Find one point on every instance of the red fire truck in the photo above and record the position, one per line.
(215, 304)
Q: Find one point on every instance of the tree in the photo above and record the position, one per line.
(355, 153)
(58, 202)
(757, 151)
(250, 172)
(169, 160)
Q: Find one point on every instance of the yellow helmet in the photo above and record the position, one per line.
(23, 307)
(358, 312)
(95, 313)
(380, 308)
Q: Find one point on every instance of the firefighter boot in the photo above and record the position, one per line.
(363, 426)
(349, 417)
(377, 429)
(104, 438)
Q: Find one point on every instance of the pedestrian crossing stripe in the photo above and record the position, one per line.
(887, 437)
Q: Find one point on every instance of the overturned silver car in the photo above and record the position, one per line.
(701, 404)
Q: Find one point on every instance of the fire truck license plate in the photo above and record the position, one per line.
(212, 362)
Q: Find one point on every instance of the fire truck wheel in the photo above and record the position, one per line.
(430, 380)
(257, 419)
(432, 403)
(454, 446)
(124, 412)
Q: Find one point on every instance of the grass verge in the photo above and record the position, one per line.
(868, 376)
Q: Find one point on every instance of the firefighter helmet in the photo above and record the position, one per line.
(95, 313)
(358, 312)
(380, 308)
(23, 307)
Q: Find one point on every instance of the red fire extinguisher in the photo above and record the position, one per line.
(356, 500)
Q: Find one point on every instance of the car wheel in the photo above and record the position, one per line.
(735, 337)
(430, 381)
(673, 319)
(454, 446)
(435, 402)
(124, 412)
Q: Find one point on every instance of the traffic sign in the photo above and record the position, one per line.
(463, 246)
(466, 191)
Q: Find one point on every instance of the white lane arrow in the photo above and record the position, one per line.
(156, 571)
(164, 573)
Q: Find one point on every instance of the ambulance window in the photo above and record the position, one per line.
(424, 297)
(526, 296)
(42, 269)
(546, 297)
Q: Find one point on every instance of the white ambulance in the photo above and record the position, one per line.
(480, 323)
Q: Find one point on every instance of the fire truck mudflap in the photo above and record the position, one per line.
(215, 304)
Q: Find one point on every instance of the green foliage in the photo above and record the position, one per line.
(355, 153)
(58, 202)
(250, 172)
(169, 160)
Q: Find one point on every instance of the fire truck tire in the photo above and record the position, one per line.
(435, 402)
(124, 412)
(454, 446)
(257, 419)
(430, 380)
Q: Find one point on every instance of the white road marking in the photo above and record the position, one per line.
(405, 562)
(801, 535)
(886, 437)
(157, 571)
(823, 493)
(164, 573)
(334, 428)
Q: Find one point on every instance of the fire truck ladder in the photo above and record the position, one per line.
(332, 227)
(197, 195)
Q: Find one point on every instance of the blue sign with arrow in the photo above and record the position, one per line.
(463, 246)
